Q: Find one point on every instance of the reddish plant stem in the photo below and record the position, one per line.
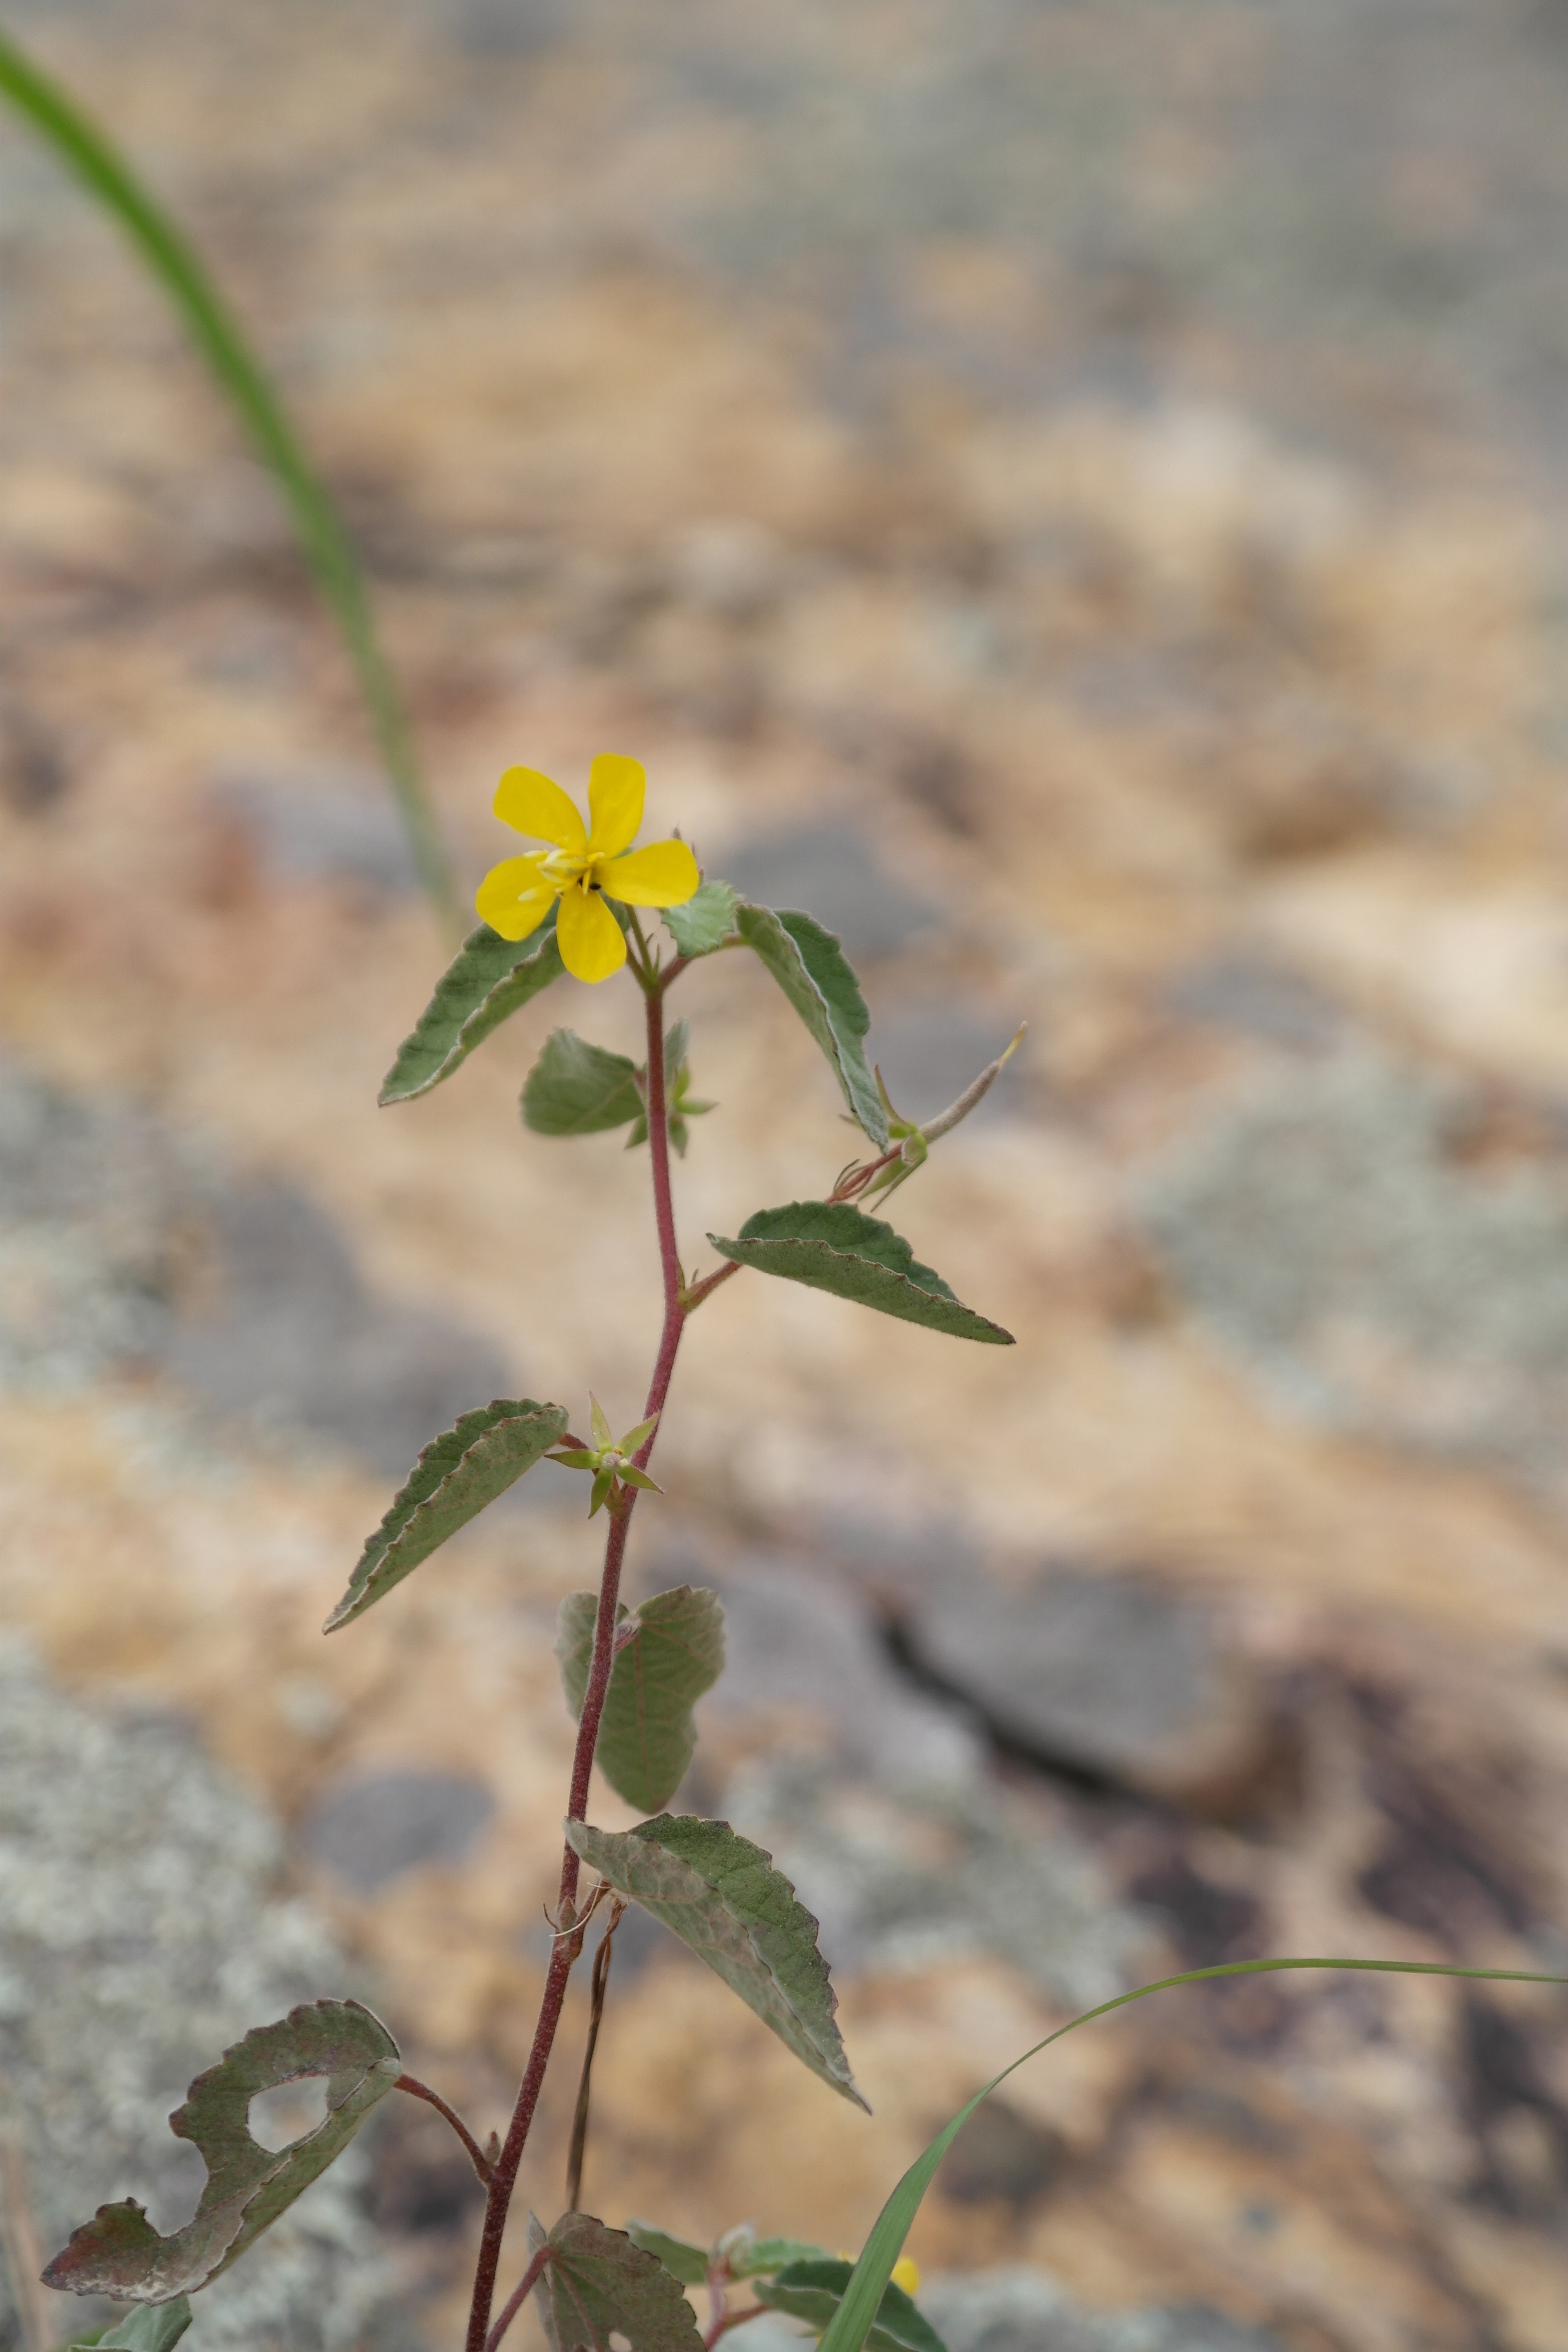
(569, 1941)
(723, 2324)
(517, 2298)
(418, 2090)
(700, 1290)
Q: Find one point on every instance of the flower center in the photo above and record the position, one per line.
(561, 868)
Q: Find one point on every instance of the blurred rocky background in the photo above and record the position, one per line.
(1072, 494)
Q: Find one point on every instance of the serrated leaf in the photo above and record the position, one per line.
(687, 2263)
(598, 2283)
(705, 921)
(648, 1736)
(832, 1245)
(458, 1472)
(810, 967)
(119, 2252)
(722, 1895)
(771, 2254)
(151, 2327)
(488, 979)
(579, 1088)
(812, 2288)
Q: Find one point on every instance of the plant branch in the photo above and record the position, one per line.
(728, 2319)
(517, 2298)
(21, 2254)
(418, 2090)
(693, 1297)
(568, 1945)
(595, 2012)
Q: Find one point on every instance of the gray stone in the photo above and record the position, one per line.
(1260, 998)
(124, 1244)
(1099, 1676)
(802, 1643)
(1325, 1232)
(916, 1879)
(874, 1798)
(141, 1933)
(371, 1828)
(319, 824)
(287, 1336)
(829, 870)
(930, 1049)
(1017, 2309)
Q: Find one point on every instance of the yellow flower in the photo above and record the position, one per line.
(582, 868)
(907, 2273)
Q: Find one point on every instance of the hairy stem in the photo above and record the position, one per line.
(517, 2298)
(418, 2090)
(569, 1940)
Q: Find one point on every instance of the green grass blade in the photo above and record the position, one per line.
(851, 2322)
(54, 115)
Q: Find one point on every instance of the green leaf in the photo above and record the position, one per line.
(598, 2283)
(458, 1474)
(151, 2327)
(687, 2263)
(812, 2289)
(488, 979)
(576, 1088)
(860, 2307)
(771, 2254)
(120, 2253)
(810, 967)
(722, 1895)
(831, 1245)
(705, 921)
(648, 1736)
(216, 332)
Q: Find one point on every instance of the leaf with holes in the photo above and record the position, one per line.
(120, 2253)
(598, 2283)
(687, 2263)
(578, 1088)
(810, 967)
(722, 1895)
(648, 1736)
(812, 2288)
(151, 2327)
(705, 921)
(831, 1245)
(458, 1472)
(488, 979)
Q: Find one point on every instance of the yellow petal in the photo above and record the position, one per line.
(513, 898)
(591, 946)
(665, 873)
(536, 806)
(616, 787)
(906, 2274)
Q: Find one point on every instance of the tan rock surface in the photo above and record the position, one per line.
(1123, 689)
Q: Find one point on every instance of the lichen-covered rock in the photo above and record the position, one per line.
(139, 1934)
(1024, 2310)
(1326, 1230)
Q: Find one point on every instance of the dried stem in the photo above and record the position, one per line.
(418, 2090)
(21, 2254)
(728, 2319)
(595, 2012)
(567, 1946)
(517, 2298)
